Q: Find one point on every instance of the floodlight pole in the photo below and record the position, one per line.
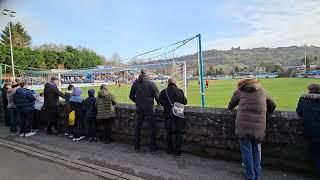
(10, 14)
(201, 72)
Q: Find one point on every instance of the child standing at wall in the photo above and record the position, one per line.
(38, 105)
(76, 105)
(90, 115)
(68, 94)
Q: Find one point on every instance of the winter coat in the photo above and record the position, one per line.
(4, 98)
(90, 106)
(67, 96)
(10, 98)
(309, 109)
(51, 97)
(254, 103)
(24, 100)
(38, 105)
(143, 93)
(105, 103)
(175, 95)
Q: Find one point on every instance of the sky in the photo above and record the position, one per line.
(130, 27)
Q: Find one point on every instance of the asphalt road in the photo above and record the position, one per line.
(18, 166)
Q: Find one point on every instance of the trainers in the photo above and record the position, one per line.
(22, 134)
(30, 134)
(74, 139)
(70, 136)
(66, 134)
(81, 138)
(136, 149)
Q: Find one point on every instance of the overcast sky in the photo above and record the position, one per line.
(130, 27)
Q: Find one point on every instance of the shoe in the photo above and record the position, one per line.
(54, 131)
(90, 139)
(70, 136)
(177, 156)
(22, 135)
(137, 149)
(66, 134)
(30, 134)
(74, 139)
(95, 139)
(81, 138)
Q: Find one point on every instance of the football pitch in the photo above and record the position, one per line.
(285, 92)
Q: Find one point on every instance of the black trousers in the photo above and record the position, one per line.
(107, 125)
(92, 127)
(79, 127)
(36, 119)
(52, 116)
(7, 117)
(152, 127)
(174, 127)
(25, 121)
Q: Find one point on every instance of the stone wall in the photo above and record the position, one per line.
(209, 133)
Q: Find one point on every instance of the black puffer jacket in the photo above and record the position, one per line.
(143, 93)
(51, 96)
(175, 95)
(24, 100)
(309, 109)
(89, 106)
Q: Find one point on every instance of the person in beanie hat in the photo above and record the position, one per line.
(253, 105)
(51, 100)
(143, 93)
(309, 109)
(90, 115)
(105, 104)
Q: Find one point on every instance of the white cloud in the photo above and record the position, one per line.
(273, 23)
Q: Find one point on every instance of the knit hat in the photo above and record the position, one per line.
(314, 88)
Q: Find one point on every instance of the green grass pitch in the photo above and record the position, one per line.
(285, 92)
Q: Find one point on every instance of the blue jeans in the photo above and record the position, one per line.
(13, 120)
(251, 157)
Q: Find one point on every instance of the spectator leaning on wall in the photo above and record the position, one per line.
(309, 109)
(253, 104)
(143, 93)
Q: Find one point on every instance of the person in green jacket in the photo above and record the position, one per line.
(105, 104)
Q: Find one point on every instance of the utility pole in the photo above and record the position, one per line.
(10, 14)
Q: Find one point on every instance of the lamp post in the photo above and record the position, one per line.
(305, 59)
(10, 14)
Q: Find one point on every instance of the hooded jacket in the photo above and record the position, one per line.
(309, 109)
(175, 95)
(90, 105)
(143, 93)
(105, 103)
(24, 100)
(253, 104)
(51, 96)
(76, 103)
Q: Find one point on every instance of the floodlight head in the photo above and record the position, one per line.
(4, 13)
(12, 15)
(6, 10)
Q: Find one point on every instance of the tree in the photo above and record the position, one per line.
(116, 58)
(20, 37)
(236, 70)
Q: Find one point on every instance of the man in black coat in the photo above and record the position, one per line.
(143, 93)
(174, 124)
(51, 100)
(309, 109)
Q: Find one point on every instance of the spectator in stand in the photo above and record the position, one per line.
(12, 108)
(24, 102)
(4, 91)
(67, 95)
(38, 105)
(51, 100)
(309, 109)
(174, 124)
(254, 104)
(105, 104)
(90, 115)
(76, 105)
(143, 93)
